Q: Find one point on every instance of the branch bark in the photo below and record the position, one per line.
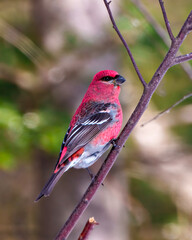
(162, 33)
(124, 43)
(167, 24)
(183, 58)
(148, 91)
(88, 228)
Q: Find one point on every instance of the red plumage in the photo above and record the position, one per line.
(96, 122)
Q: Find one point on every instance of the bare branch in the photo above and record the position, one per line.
(168, 109)
(183, 58)
(167, 24)
(149, 89)
(124, 43)
(161, 32)
(171, 55)
(186, 28)
(157, 27)
(88, 228)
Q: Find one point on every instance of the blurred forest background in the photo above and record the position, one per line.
(49, 52)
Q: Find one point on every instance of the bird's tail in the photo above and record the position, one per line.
(50, 184)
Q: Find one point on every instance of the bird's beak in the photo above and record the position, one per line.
(119, 80)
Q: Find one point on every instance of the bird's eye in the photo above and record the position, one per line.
(107, 78)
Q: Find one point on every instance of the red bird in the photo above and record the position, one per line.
(94, 126)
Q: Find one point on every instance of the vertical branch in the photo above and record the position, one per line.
(186, 28)
(161, 32)
(124, 43)
(167, 24)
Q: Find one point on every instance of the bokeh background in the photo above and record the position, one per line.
(49, 52)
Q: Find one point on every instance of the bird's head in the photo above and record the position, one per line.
(109, 77)
(105, 85)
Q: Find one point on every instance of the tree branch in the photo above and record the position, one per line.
(161, 32)
(186, 28)
(88, 228)
(167, 24)
(148, 91)
(183, 58)
(168, 109)
(124, 43)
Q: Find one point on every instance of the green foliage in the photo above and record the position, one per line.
(21, 132)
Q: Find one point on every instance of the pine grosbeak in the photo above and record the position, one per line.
(95, 124)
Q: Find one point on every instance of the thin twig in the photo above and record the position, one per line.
(88, 228)
(133, 120)
(124, 43)
(183, 58)
(168, 109)
(167, 24)
(186, 28)
(161, 32)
